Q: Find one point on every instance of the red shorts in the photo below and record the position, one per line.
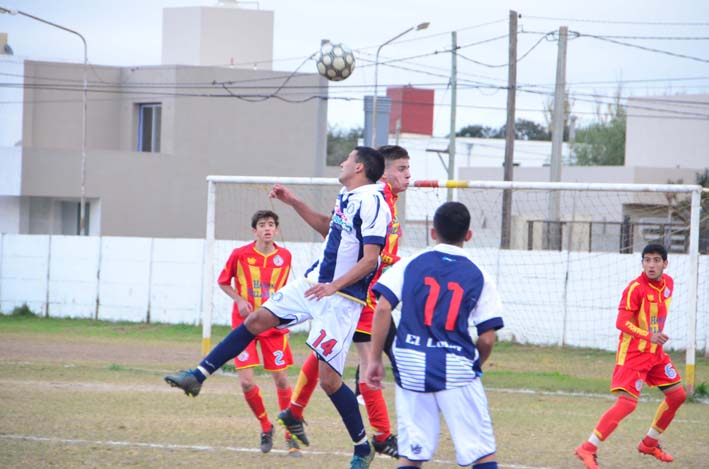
(658, 371)
(276, 352)
(366, 317)
(364, 325)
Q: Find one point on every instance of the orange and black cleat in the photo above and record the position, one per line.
(655, 451)
(590, 459)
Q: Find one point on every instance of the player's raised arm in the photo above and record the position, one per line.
(318, 221)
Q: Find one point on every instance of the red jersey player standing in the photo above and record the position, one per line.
(640, 359)
(259, 269)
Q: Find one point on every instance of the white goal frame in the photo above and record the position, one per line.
(695, 192)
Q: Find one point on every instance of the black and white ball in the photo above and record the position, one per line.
(335, 61)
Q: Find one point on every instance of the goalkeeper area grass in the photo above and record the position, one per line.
(79, 393)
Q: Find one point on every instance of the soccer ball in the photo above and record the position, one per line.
(335, 61)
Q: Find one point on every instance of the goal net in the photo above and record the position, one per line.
(560, 253)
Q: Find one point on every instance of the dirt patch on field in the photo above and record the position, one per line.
(48, 349)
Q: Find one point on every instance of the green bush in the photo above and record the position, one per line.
(23, 311)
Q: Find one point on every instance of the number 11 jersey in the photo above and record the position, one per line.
(443, 294)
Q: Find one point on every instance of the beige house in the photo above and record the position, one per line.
(154, 133)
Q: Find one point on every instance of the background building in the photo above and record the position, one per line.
(154, 133)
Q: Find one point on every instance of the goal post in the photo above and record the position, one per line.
(572, 249)
(231, 201)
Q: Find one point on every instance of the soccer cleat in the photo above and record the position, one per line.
(389, 447)
(186, 381)
(294, 426)
(267, 440)
(590, 460)
(358, 462)
(655, 451)
(293, 447)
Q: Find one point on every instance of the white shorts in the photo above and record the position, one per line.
(334, 320)
(467, 416)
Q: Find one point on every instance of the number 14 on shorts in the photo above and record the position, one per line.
(326, 346)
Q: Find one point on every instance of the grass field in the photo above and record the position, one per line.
(77, 393)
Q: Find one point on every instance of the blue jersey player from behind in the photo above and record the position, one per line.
(437, 365)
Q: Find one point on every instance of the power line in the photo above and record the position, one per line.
(605, 21)
(649, 49)
(305, 97)
(250, 98)
(229, 87)
(656, 38)
(505, 65)
(421, 37)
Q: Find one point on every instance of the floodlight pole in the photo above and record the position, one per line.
(82, 207)
(418, 27)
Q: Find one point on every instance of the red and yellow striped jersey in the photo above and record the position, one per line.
(388, 257)
(390, 252)
(641, 313)
(256, 276)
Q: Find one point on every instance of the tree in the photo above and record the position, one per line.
(603, 142)
(477, 131)
(340, 143)
(526, 130)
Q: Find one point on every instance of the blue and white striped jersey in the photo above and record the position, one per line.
(443, 293)
(360, 217)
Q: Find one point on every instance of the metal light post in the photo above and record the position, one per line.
(82, 208)
(418, 27)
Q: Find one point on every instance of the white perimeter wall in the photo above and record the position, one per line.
(160, 280)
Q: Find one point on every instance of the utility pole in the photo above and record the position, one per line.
(557, 140)
(506, 229)
(454, 102)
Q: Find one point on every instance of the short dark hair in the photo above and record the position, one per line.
(261, 215)
(452, 222)
(656, 249)
(373, 162)
(393, 152)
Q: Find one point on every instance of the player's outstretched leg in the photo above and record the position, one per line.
(185, 380)
(191, 381)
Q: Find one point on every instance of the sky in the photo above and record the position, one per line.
(640, 47)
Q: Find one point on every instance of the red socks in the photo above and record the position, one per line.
(377, 411)
(667, 409)
(610, 420)
(255, 401)
(304, 387)
(284, 401)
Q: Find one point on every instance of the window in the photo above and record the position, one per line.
(71, 218)
(149, 121)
